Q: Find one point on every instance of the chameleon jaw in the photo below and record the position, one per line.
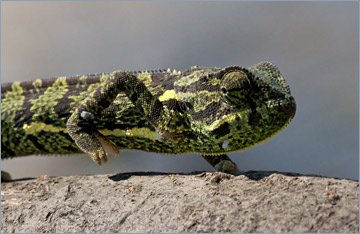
(269, 119)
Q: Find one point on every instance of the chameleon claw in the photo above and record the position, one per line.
(99, 157)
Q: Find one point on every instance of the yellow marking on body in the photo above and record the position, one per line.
(37, 84)
(60, 82)
(35, 127)
(134, 132)
(195, 76)
(145, 77)
(105, 76)
(16, 87)
(90, 88)
(81, 81)
(167, 95)
(13, 101)
(227, 118)
(49, 99)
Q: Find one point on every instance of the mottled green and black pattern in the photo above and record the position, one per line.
(210, 111)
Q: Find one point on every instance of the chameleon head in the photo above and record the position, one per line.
(254, 104)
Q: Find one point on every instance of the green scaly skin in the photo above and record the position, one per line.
(210, 111)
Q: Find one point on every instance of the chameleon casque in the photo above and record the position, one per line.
(206, 110)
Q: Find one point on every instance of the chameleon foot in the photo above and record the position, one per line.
(90, 141)
(221, 163)
(99, 157)
(108, 147)
(226, 166)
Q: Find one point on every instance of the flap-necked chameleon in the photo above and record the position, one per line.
(206, 110)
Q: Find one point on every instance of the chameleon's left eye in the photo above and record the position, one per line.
(234, 87)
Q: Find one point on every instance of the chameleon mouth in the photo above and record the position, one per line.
(286, 106)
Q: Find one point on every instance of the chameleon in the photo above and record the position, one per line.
(207, 110)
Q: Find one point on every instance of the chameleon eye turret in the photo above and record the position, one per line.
(234, 87)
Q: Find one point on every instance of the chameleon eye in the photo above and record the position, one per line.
(234, 87)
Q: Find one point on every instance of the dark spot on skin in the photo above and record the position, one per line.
(222, 130)
(187, 105)
(34, 140)
(254, 118)
(210, 110)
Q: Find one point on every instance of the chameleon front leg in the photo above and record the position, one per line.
(81, 125)
(221, 163)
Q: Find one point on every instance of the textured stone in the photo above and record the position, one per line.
(196, 202)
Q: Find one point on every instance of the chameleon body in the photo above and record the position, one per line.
(210, 111)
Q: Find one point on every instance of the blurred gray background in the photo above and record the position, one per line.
(315, 45)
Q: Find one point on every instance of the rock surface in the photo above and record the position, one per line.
(196, 202)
